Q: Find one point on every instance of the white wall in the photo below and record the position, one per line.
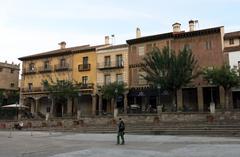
(234, 58)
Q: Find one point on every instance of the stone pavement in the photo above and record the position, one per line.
(57, 144)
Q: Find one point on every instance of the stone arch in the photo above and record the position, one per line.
(44, 105)
(30, 103)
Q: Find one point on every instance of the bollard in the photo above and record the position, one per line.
(10, 133)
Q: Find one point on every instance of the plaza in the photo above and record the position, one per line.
(68, 144)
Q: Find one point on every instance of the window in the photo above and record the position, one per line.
(12, 85)
(12, 70)
(238, 64)
(119, 61)
(107, 61)
(46, 64)
(63, 62)
(31, 67)
(84, 79)
(141, 50)
(1, 69)
(141, 79)
(208, 45)
(107, 79)
(85, 62)
(30, 85)
(119, 78)
(231, 41)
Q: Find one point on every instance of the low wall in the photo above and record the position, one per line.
(168, 118)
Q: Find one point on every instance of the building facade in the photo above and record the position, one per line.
(232, 49)
(207, 47)
(61, 64)
(9, 78)
(112, 66)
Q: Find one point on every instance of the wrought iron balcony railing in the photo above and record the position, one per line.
(110, 65)
(85, 85)
(29, 71)
(45, 69)
(84, 67)
(62, 67)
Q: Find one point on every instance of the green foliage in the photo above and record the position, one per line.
(60, 88)
(224, 76)
(111, 90)
(171, 71)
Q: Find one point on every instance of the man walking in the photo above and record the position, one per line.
(121, 128)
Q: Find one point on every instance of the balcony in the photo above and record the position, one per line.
(85, 85)
(84, 67)
(62, 67)
(44, 69)
(30, 90)
(110, 65)
(29, 71)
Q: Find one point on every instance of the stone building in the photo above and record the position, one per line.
(207, 47)
(9, 77)
(77, 64)
(112, 66)
(232, 49)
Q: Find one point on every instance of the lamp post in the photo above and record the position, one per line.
(78, 107)
(159, 108)
(212, 104)
(115, 108)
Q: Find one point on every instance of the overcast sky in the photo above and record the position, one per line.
(34, 26)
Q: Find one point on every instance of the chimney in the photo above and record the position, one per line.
(176, 27)
(138, 33)
(62, 45)
(107, 40)
(191, 25)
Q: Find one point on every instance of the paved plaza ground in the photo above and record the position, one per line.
(42, 144)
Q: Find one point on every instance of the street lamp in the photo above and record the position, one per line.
(159, 88)
(159, 107)
(212, 104)
(210, 81)
(115, 109)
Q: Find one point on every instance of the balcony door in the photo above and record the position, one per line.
(119, 61)
(85, 62)
(107, 61)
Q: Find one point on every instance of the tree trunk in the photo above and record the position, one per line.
(174, 104)
(226, 99)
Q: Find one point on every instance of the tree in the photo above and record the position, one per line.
(112, 90)
(225, 77)
(59, 89)
(170, 70)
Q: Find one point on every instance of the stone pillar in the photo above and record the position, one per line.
(75, 105)
(32, 106)
(179, 100)
(125, 103)
(69, 106)
(222, 97)
(93, 104)
(100, 105)
(37, 105)
(52, 107)
(200, 98)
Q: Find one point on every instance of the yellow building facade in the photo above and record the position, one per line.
(76, 64)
